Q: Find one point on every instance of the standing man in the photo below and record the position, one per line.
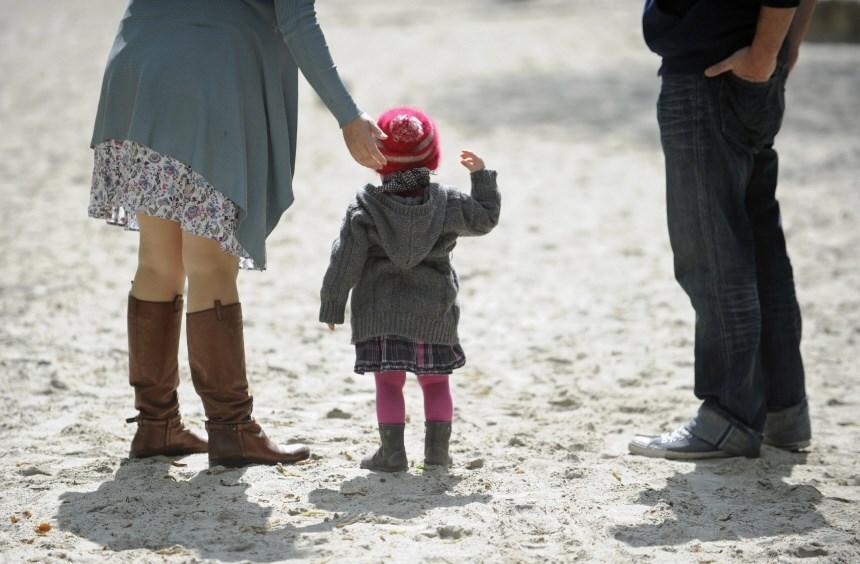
(725, 64)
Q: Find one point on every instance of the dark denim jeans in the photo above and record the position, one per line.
(727, 239)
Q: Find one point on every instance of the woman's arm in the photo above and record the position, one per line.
(297, 22)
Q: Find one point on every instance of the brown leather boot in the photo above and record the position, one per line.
(216, 351)
(153, 346)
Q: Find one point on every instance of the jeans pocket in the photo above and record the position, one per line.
(751, 112)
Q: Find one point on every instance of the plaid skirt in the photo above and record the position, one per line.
(393, 353)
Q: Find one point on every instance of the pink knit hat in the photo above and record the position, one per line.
(413, 141)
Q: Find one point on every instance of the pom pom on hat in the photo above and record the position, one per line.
(413, 141)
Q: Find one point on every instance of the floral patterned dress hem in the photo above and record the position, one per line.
(130, 179)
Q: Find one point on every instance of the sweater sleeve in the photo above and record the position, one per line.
(297, 22)
(348, 255)
(478, 213)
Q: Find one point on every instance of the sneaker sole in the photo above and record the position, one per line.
(674, 455)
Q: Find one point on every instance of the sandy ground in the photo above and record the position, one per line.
(576, 332)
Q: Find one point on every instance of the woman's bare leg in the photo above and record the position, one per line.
(212, 273)
(154, 324)
(160, 276)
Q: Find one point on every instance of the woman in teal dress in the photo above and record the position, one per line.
(195, 144)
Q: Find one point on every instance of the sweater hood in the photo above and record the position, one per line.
(407, 232)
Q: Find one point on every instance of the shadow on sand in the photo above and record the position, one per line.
(400, 495)
(728, 500)
(143, 507)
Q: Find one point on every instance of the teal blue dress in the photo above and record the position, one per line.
(214, 85)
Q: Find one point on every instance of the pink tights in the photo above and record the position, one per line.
(391, 409)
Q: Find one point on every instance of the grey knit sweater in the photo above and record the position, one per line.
(395, 257)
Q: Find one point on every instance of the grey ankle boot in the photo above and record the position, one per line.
(391, 455)
(437, 434)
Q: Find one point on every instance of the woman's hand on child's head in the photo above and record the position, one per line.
(330, 326)
(360, 136)
(471, 161)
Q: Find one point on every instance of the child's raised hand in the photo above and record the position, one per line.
(471, 161)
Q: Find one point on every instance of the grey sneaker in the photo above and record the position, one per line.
(680, 444)
(789, 428)
(710, 434)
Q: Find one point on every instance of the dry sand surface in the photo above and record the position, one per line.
(576, 332)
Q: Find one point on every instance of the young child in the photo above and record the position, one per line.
(394, 254)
